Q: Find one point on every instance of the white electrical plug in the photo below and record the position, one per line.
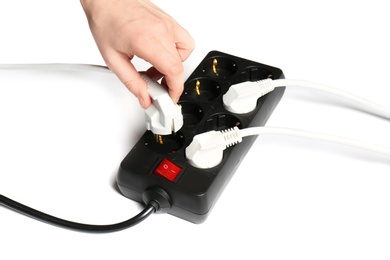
(163, 116)
(242, 98)
(206, 149)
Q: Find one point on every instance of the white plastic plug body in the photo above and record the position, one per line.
(163, 116)
(242, 98)
(206, 149)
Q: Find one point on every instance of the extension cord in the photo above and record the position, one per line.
(156, 171)
(157, 168)
(182, 168)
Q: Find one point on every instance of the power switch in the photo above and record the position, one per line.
(167, 169)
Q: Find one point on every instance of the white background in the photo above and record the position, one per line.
(63, 135)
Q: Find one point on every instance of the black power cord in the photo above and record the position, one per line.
(16, 206)
(156, 199)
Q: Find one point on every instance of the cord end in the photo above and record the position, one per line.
(206, 149)
(242, 98)
(158, 198)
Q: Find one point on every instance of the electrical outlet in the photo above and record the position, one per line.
(158, 163)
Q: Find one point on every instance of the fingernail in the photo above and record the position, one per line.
(141, 102)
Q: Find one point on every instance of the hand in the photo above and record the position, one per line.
(123, 29)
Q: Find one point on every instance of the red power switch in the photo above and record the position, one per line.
(167, 169)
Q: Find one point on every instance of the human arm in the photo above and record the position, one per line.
(123, 29)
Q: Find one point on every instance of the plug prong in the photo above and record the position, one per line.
(159, 139)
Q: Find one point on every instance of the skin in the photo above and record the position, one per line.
(123, 29)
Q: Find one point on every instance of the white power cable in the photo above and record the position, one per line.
(242, 98)
(55, 66)
(316, 136)
(361, 102)
(206, 149)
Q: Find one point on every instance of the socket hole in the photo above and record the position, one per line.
(220, 67)
(164, 143)
(202, 89)
(192, 114)
(254, 74)
(221, 122)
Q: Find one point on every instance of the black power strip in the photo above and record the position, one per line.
(157, 169)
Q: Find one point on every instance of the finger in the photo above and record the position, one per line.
(175, 86)
(120, 64)
(180, 50)
(167, 57)
(155, 75)
(168, 62)
(185, 44)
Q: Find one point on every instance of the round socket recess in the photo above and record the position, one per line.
(164, 143)
(192, 114)
(220, 67)
(222, 121)
(202, 89)
(254, 74)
